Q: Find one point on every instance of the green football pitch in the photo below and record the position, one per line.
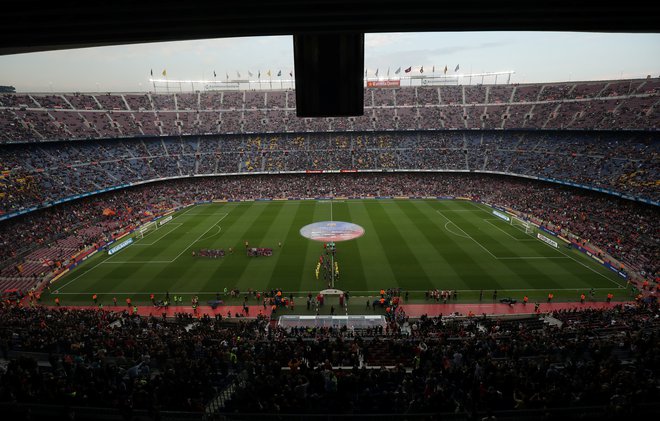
(416, 245)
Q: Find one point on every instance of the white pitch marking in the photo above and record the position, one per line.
(174, 224)
(468, 235)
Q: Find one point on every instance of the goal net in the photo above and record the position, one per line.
(146, 229)
(522, 225)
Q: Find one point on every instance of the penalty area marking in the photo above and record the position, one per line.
(468, 236)
(213, 235)
(560, 251)
(184, 250)
(517, 239)
(92, 268)
(106, 261)
(464, 235)
(171, 224)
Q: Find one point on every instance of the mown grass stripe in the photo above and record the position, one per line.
(251, 225)
(351, 272)
(290, 270)
(520, 271)
(471, 262)
(374, 263)
(403, 261)
(448, 269)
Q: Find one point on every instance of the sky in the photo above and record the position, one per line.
(533, 56)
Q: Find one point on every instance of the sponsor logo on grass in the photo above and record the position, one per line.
(165, 220)
(332, 231)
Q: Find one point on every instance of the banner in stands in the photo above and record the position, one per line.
(544, 229)
(383, 83)
(614, 193)
(120, 246)
(614, 269)
(502, 216)
(604, 263)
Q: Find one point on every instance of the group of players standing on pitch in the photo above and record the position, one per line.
(327, 265)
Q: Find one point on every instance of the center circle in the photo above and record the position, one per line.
(331, 231)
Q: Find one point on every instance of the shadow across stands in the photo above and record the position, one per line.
(590, 364)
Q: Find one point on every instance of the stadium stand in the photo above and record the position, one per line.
(621, 163)
(609, 105)
(599, 364)
(79, 170)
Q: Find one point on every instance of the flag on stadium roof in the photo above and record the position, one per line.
(445, 69)
(388, 72)
(408, 70)
(433, 69)
(259, 75)
(214, 75)
(457, 67)
(152, 72)
(238, 74)
(250, 73)
(268, 72)
(165, 72)
(376, 73)
(421, 69)
(397, 71)
(291, 73)
(227, 75)
(279, 73)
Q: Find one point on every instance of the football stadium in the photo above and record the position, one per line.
(464, 246)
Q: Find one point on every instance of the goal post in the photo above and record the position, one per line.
(525, 226)
(146, 229)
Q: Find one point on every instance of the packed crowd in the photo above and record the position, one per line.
(603, 105)
(622, 229)
(442, 364)
(36, 175)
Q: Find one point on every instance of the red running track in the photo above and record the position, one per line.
(412, 310)
(416, 310)
(253, 311)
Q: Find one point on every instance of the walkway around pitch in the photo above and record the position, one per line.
(412, 310)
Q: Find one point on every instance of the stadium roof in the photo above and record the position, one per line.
(58, 25)
(328, 35)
